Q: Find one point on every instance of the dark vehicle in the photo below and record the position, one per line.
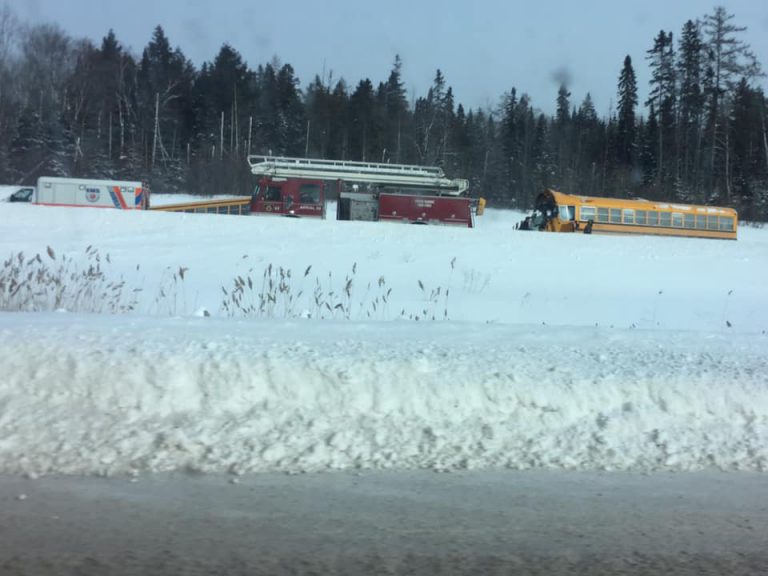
(22, 195)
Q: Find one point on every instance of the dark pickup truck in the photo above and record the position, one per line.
(22, 195)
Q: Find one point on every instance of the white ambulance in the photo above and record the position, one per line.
(91, 193)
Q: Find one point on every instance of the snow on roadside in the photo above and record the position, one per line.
(111, 395)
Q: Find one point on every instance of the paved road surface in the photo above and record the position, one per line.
(501, 522)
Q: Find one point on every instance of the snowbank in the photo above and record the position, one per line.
(110, 395)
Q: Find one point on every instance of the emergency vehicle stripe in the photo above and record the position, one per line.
(120, 198)
(139, 196)
(114, 198)
(72, 205)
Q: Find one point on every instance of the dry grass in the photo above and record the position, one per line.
(280, 294)
(41, 283)
(50, 282)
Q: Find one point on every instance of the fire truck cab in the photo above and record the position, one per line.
(289, 197)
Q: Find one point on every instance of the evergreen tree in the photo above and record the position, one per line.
(589, 146)
(649, 151)
(563, 107)
(544, 167)
(291, 116)
(339, 128)
(460, 143)
(223, 109)
(728, 60)
(432, 119)
(493, 178)
(10, 105)
(511, 144)
(365, 130)
(266, 109)
(395, 114)
(663, 96)
(691, 103)
(165, 113)
(317, 103)
(40, 148)
(527, 122)
(326, 111)
(626, 129)
(561, 139)
(749, 166)
(517, 140)
(28, 152)
(113, 101)
(227, 88)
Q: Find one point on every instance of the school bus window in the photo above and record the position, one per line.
(615, 216)
(602, 214)
(567, 212)
(689, 221)
(665, 219)
(587, 213)
(653, 218)
(223, 209)
(711, 222)
(629, 216)
(726, 223)
(701, 222)
(677, 220)
(640, 217)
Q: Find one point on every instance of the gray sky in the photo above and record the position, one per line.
(483, 48)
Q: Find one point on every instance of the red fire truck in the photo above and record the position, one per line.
(298, 187)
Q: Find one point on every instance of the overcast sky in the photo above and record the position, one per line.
(483, 47)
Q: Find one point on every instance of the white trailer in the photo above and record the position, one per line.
(91, 193)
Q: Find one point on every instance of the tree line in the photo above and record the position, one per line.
(70, 107)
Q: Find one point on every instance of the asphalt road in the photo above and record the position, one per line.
(500, 522)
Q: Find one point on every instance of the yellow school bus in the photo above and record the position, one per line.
(234, 206)
(558, 212)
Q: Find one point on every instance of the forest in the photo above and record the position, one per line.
(69, 107)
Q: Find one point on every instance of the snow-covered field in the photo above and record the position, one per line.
(366, 345)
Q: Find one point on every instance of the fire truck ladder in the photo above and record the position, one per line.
(403, 175)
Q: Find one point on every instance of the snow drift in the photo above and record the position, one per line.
(111, 395)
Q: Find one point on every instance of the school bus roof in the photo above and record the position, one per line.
(571, 199)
